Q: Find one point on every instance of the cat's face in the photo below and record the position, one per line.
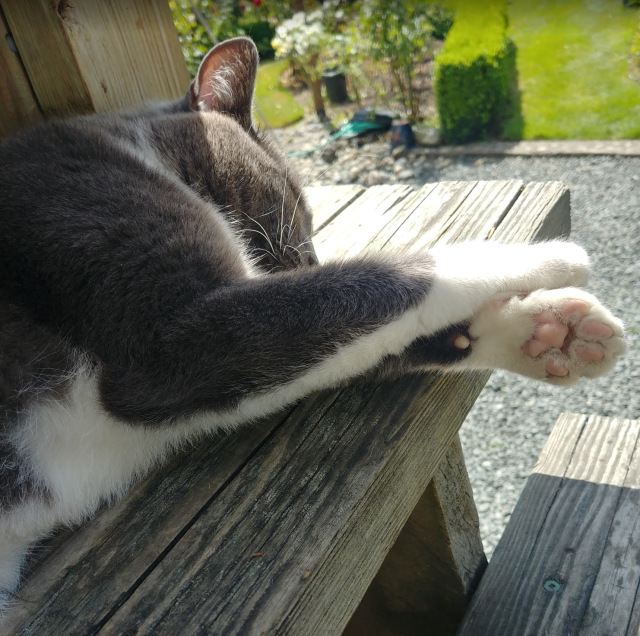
(242, 169)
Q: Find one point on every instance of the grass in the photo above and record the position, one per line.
(274, 101)
(574, 70)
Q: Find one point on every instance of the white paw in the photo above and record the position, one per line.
(554, 335)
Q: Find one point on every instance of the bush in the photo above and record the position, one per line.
(475, 75)
(441, 20)
(261, 33)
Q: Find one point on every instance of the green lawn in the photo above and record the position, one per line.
(275, 102)
(573, 68)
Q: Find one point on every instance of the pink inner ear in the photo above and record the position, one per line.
(226, 79)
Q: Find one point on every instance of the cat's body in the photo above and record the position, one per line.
(157, 281)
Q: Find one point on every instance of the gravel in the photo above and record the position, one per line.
(510, 422)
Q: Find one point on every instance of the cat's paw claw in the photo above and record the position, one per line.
(561, 335)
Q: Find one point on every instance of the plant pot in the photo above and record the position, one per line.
(402, 134)
(335, 82)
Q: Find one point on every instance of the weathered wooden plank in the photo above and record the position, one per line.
(47, 56)
(127, 51)
(545, 207)
(360, 222)
(321, 503)
(328, 201)
(567, 561)
(18, 105)
(460, 516)
(87, 56)
(613, 604)
(430, 573)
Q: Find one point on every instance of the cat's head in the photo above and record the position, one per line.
(242, 168)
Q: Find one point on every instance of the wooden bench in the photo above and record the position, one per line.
(351, 511)
(568, 562)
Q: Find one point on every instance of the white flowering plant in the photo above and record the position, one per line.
(304, 40)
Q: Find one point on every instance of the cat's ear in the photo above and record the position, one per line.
(226, 80)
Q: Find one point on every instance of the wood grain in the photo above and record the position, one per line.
(431, 571)
(18, 103)
(87, 56)
(329, 201)
(127, 51)
(47, 57)
(575, 524)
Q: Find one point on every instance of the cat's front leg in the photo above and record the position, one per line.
(467, 275)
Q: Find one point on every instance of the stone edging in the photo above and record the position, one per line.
(627, 147)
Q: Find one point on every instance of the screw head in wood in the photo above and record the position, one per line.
(552, 586)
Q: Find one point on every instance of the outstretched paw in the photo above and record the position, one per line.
(555, 335)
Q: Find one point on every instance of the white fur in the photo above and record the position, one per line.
(84, 456)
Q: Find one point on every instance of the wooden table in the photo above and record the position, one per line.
(282, 527)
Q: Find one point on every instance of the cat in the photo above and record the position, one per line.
(158, 280)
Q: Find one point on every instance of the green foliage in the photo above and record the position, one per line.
(226, 19)
(475, 73)
(304, 40)
(441, 20)
(193, 38)
(261, 33)
(397, 32)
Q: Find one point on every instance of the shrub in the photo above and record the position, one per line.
(398, 33)
(226, 19)
(441, 20)
(475, 75)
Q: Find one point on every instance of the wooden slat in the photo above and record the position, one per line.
(430, 573)
(47, 56)
(323, 504)
(360, 222)
(322, 496)
(18, 105)
(127, 51)
(575, 524)
(85, 56)
(460, 517)
(545, 207)
(328, 201)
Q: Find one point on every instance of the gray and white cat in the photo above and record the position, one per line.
(157, 280)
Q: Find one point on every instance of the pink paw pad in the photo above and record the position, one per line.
(557, 330)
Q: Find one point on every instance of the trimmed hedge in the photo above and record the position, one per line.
(475, 80)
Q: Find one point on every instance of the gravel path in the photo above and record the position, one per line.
(509, 424)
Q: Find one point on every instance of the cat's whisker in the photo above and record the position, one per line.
(284, 192)
(273, 252)
(292, 229)
(263, 233)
